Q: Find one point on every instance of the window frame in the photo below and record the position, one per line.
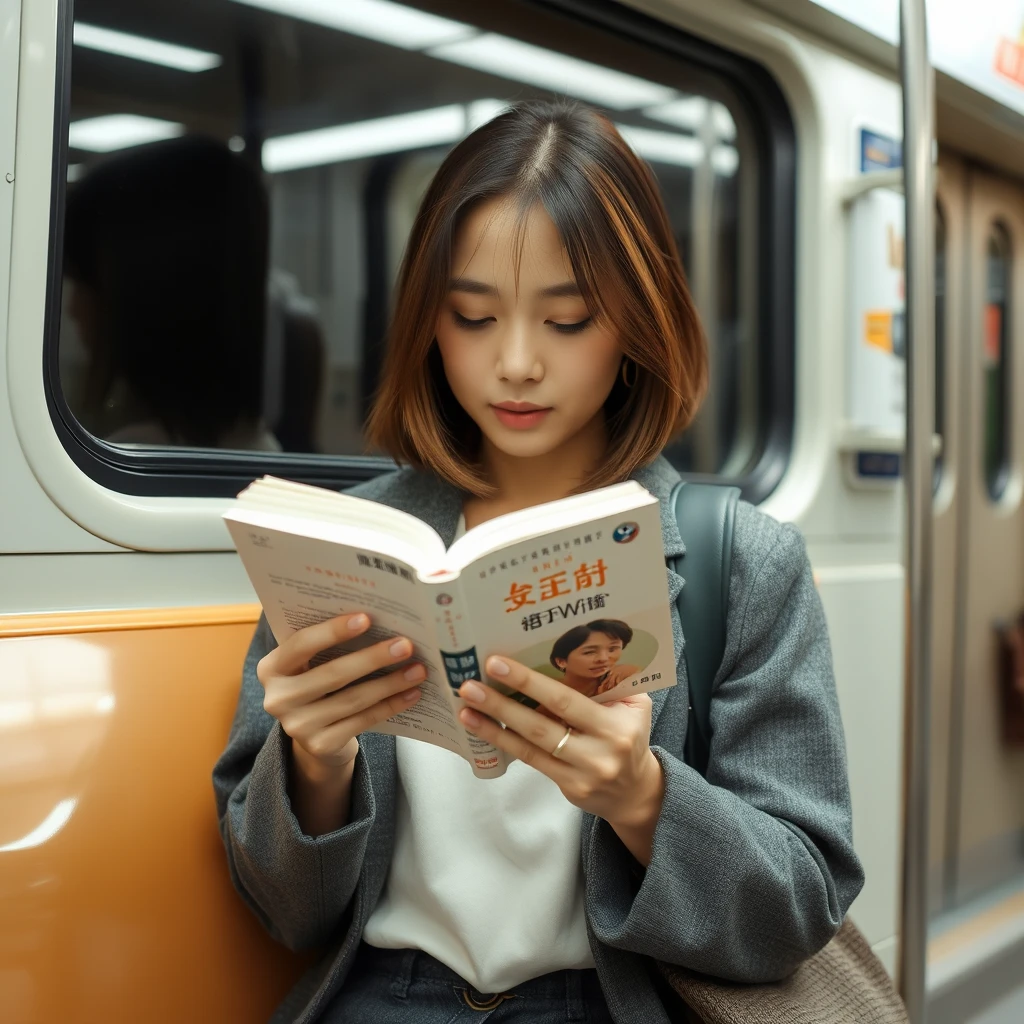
(194, 473)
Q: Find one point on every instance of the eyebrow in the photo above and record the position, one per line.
(566, 289)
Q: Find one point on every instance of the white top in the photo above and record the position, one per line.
(486, 874)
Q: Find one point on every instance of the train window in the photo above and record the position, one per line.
(241, 176)
(995, 357)
(940, 335)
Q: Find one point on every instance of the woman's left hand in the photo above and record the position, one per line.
(605, 767)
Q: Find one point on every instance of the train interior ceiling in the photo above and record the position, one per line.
(201, 295)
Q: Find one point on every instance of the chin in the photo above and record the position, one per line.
(523, 444)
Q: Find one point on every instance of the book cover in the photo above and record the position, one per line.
(585, 604)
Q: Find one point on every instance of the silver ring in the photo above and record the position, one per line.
(562, 742)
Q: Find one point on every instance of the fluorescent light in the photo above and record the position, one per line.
(690, 111)
(686, 112)
(118, 131)
(365, 138)
(725, 160)
(46, 830)
(184, 58)
(382, 20)
(663, 147)
(725, 126)
(479, 112)
(522, 62)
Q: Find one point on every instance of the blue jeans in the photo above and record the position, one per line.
(406, 986)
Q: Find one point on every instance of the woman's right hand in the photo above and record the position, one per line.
(319, 708)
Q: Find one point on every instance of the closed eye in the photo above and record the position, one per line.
(574, 328)
(470, 325)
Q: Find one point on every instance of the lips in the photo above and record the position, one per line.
(520, 415)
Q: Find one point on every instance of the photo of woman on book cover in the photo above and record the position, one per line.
(588, 656)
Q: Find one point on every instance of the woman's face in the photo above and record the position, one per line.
(593, 658)
(523, 358)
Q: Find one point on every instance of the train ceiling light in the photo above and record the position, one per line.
(523, 62)
(397, 133)
(153, 51)
(382, 20)
(119, 131)
(466, 45)
(442, 126)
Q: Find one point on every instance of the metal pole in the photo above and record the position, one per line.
(918, 136)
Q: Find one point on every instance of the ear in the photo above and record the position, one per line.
(561, 663)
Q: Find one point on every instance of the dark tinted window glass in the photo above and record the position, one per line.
(243, 175)
(995, 358)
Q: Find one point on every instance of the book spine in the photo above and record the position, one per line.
(461, 662)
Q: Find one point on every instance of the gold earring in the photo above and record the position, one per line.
(626, 364)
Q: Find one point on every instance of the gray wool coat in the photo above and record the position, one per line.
(753, 868)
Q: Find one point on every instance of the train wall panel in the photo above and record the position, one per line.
(864, 607)
(113, 877)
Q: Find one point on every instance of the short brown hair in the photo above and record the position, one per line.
(605, 203)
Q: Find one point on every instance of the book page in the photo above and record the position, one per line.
(587, 606)
(301, 581)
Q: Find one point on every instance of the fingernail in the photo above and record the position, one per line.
(357, 622)
(400, 648)
(410, 695)
(473, 691)
(414, 672)
(497, 667)
(471, 718)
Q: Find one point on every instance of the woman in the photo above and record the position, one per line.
(589, 656)
(544, 342)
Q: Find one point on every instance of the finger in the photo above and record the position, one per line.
(348, 668)
(306, 719)
(534, 727)
(302, 646)
(337, 735)
(573, 708)
(562, 773)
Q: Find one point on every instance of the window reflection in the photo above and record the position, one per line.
(940, 336)
(242, 179)
(994, 359)
(165, 256)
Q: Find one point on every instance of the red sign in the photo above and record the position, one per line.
(1010, 61)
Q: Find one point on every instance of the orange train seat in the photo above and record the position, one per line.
(115, 900)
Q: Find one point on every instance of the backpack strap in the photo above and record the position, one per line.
(706, 514)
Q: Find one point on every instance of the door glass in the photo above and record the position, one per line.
(994, 359)
(940, 336)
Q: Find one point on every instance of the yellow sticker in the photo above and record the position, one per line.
(878, 329)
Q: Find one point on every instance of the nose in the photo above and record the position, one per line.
(518, 356)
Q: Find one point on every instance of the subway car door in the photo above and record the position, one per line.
(950, 226)
(978, 790)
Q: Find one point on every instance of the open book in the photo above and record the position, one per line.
(574, 589)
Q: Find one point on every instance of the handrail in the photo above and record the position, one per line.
(919, 187)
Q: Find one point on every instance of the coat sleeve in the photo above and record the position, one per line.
(753, 868)
(300, 887)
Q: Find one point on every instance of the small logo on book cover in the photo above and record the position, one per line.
(444, 598)
(625, 532)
